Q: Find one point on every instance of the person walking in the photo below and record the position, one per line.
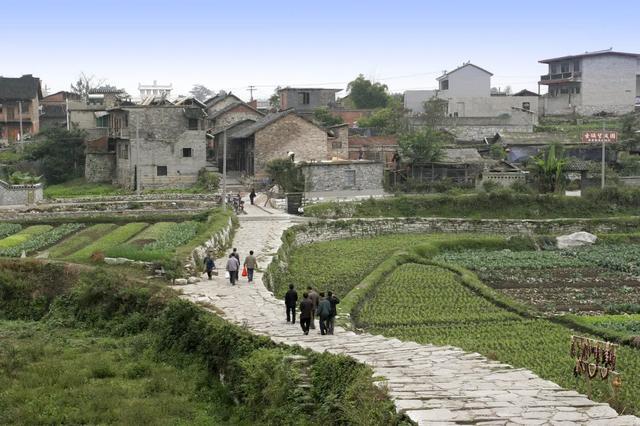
(251, 263)
(236, 254)
(290, 301)
(232, 267)
(252, 195)
(333, 300)
(209, 265)
(306, 310)
(315, 299)
(324, 313)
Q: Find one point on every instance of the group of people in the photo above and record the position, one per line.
(233, 266)
(312, 305)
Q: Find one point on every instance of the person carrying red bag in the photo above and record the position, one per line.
(250, 264)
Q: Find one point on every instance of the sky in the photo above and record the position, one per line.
(230, 45)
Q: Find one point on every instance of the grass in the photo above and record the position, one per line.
(64, 376)
(22, 236)
(113, 238)
(80, 240)
(81, 188)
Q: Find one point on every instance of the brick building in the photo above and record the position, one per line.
(251, 145)
(305, 100)
(54, 109)
(19, 107)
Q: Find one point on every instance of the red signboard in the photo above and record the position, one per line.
(599, 136)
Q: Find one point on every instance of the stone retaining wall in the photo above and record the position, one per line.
(354, 228)
(215, 243)
(43, 217)
(217, 198)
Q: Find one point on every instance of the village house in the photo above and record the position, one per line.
(305, 100)
(91, 116)
(467, 90)
(252, 144)
(19, 108)
(592, 83)
(54, 109)
(154, 146)
(155, 89)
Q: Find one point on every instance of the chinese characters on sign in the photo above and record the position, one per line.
(599, 136)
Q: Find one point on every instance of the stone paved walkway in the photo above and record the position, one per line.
(432, 384)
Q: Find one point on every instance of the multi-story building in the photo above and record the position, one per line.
(592, 82)
(466, 81)
(55, 109)
(306, 100)
(155, 89)
(19, 107)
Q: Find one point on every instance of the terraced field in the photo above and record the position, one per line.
(33, 238)
(113, 238)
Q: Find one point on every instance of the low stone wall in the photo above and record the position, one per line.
(215, 243)
(216, 198)
(20, 195)
(358, 228)
(32, 216)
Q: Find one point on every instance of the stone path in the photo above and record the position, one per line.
(432, 384)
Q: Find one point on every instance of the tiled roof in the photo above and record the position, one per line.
(261, 124)
(22, 88)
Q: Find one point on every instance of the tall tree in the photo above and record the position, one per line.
(61, 153)
(391, 120)
(85, 84)
(201, 92)
(435, 110)
(366, 94)
(323, 117)
(423, 146)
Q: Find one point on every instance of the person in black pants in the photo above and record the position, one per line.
(306, 307)
(290, 301)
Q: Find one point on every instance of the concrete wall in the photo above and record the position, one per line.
(467, 82)
(85, 119)
(100, 166)
(20, 195)
(290, 133)
(608, 84)
(337, 176)
(414, 99)
(492, 106)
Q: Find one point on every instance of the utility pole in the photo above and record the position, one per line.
(137, 169)
(224, 168)
(66, 101)
(20, 115)
(251, 88)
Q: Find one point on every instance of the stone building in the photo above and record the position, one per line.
(343, 176)
(306, 100)
(234, 112)
(155, 147)
(19, 107)
(251, 145)
(592, 82)
(100, 160)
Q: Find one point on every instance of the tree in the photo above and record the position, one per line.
(61, 154)
(86, 84)
(201, 92)
(323, 117)
(274, 100)
(423, 146)
(389, 121)
(286, 175)
(365, 94)
(435, 110)
(549, 168)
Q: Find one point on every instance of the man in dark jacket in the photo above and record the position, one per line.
(324, 313)
(333, 300)
(290, 301)
(306, 308)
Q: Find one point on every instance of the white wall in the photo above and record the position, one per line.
(468, 82)
(414, 99)
(608, 84)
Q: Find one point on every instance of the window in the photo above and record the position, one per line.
(186, 152)
(124, 151)
(304, 98)
(102, 122)
(349, 178)
(576, 66)
(111, 145)
(25, 107)
(444, 85)
(526, 106)
(11, 113)
(564, 67)
(553, 68)
(564, 90)
(161, 170)
(193, 124)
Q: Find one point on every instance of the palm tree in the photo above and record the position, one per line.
(549, 168)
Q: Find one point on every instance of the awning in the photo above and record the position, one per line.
(99, 114)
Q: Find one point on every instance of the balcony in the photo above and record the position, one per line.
(121, 133)
(563, 77)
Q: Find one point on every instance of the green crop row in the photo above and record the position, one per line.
(424, 294)
(24, 235)
(41, 240)
(80, 240)
(7, 229)
(113, 238)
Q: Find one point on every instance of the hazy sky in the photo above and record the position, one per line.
(232, 44)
